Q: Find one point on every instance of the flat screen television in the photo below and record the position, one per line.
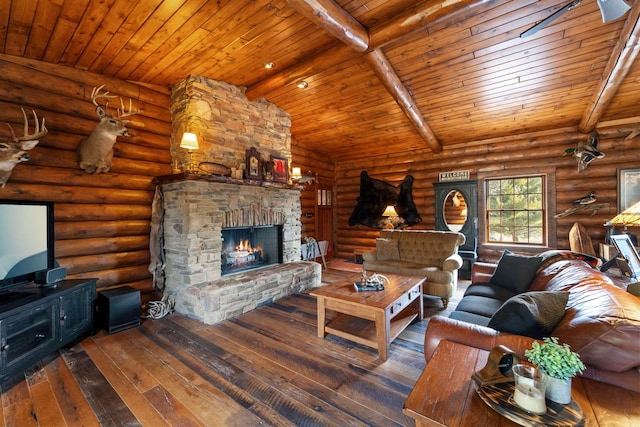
(26, 241)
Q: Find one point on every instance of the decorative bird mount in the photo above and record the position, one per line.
(586, 151)
(95, 153)
(585, 203)
(586, 200)
(14, 150)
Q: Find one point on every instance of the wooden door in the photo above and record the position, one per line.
(324, 215)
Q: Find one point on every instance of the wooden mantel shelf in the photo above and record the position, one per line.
(194, 176)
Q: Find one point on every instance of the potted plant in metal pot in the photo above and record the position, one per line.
(559, 363)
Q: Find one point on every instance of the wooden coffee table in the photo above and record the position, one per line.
(445, 395)
(371, 318)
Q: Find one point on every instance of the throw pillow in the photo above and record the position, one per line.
(515, 272)
(532, 314)
(549, 257)
(387, 249)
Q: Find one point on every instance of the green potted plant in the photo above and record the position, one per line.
(559, 363)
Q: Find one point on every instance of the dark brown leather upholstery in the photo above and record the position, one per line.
(601, 323)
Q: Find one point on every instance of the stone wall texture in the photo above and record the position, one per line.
(227, 123)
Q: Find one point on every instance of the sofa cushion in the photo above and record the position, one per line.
(476, 319)
(601, 319)
(387, 249)
(515, 272)
(490, 291)
(532, 314)
(482, 306)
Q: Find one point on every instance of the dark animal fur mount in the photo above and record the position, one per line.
(376, 195)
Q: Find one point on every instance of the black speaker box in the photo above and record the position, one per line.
(118, 309)
(51, 277)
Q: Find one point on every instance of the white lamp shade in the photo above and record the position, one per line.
(612, 9)
(189, 141)
(296, 172)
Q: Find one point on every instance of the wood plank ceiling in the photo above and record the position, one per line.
(396, 75)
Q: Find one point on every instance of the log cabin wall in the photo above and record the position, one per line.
(324, 169)
(102, 222)
(512, 155)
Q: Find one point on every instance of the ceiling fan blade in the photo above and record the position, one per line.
(557, 14)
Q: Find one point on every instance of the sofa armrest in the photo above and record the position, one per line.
(481, 272)
(443, 328)
(371, 255)
(452, 262)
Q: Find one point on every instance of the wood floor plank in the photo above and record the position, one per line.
(46, 409)
(324, 399)
(266, 367)
(142, 410)
(107, 405)
(205, 357)
(174, 411)
(74, 406)
(194, 392)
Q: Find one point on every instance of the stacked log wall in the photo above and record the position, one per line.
(102, 221)
(324, 169)
(511, 155)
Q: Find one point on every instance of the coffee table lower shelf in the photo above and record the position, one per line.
(364, 332)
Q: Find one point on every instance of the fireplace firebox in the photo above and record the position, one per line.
(248, 248)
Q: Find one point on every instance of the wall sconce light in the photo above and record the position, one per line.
(189, 142)
(298, 178)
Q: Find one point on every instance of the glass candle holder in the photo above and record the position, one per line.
(530, 389)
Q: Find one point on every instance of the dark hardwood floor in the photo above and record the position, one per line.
(266, 367)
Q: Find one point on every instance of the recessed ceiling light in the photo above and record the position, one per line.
(303, 85)
(269, 65)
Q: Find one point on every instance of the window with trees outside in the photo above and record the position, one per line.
(516, 210)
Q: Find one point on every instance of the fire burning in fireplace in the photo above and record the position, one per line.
(246, 248)
(244, 253)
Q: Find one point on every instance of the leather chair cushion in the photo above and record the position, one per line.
(532, 314)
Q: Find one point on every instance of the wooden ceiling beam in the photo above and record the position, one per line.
(416, 18)
(328, 15)
(336, 21)
(385, 72)
(620, 62)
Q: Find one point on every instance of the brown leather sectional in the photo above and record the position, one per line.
(601, 322)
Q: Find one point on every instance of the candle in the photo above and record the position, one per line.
(530, 399)
(530, 389)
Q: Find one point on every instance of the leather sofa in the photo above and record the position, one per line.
(601, 322)
(428, 253)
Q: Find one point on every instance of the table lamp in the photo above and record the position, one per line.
(190, 142)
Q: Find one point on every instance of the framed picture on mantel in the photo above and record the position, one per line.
(280, 169)
(253, 170)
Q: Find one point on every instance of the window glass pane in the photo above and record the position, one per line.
(516, 210)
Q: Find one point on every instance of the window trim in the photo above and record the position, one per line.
(550, 203)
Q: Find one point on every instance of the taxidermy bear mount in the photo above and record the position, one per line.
(376, 195)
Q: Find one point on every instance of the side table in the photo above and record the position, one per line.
(444, 395)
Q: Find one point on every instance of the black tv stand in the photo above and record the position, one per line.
(36, 321)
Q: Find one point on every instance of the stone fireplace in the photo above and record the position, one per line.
(198, 207)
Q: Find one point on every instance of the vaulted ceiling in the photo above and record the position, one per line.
(383, 76)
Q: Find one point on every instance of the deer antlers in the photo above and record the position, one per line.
(39, 131)
(123, 112)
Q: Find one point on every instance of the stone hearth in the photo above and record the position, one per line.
(195, 213)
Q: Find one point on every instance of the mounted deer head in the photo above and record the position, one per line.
(95, 153)
(14, 150)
